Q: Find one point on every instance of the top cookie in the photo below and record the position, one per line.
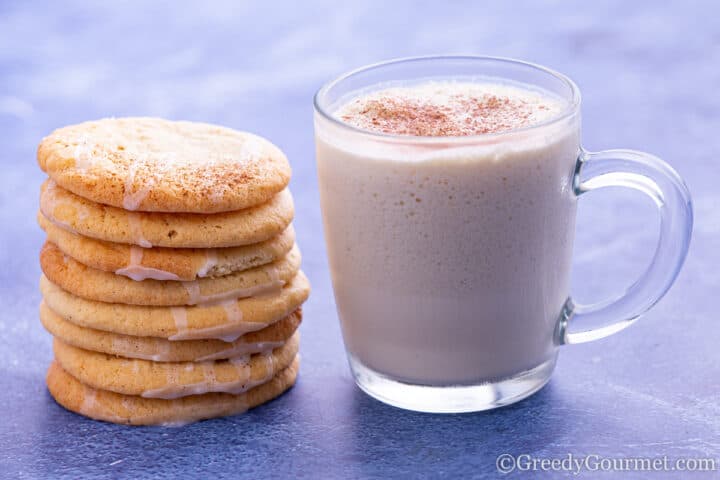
(156, 165)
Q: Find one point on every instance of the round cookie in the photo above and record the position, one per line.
(156, 165)
(163, 350)
(174, 230)
(226, 321)
(93, 284)
(166, 263)
(171, 380)
(133, 410)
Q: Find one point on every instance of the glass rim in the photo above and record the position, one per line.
(572, 107)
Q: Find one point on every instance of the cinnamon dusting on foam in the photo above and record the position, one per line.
(445, 109)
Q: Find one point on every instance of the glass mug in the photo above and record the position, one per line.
(450, 256)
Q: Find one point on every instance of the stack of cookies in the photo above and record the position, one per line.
(172, 281)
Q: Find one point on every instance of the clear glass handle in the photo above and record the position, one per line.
(652, 176)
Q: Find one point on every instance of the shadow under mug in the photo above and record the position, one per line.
(450, 256)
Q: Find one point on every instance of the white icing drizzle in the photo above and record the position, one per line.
(193, 291)
(232, 310)
(127, 347)
(132, 199)
(64, 225)
(269, 360)
(136, 271)
(226, 333)
(240, 360)
(211, 261)
(88, 403)
(195, 297)
(179, 315)
(173, 389)
(136, 255)
(162, 348)
(136, 230)
(81, 154)
(274, 276)
(127, 404)
(275, 282)
(48, 203)
(241, 348)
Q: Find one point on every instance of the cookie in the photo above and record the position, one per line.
(163, 350)
(174, 230)
(166, 263)
(156, 165)
(93, 284)
(225, 321)
(134, 410)
(169, 380)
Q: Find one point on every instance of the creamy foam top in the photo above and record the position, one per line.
(449, 108)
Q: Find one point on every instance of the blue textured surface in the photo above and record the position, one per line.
(649, 74)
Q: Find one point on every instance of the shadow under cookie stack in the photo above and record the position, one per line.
(172, 281)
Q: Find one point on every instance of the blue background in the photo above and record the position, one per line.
(649, 72)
